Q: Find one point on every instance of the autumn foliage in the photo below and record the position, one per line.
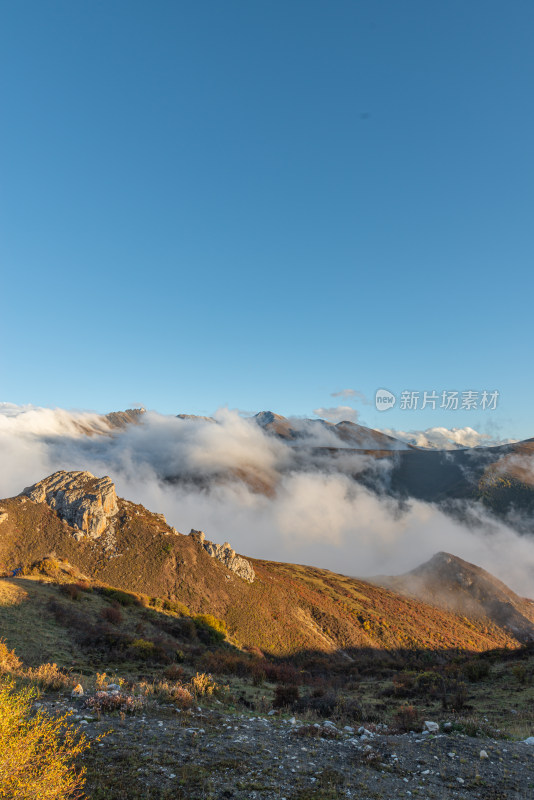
(37, 752)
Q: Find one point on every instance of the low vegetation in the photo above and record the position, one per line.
(38, 753)
(157, 654)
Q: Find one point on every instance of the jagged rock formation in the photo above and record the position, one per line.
(227, 555)
(83, 501)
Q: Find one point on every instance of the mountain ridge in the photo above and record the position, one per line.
(287, 608)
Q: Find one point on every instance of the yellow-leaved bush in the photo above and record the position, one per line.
(37, 751)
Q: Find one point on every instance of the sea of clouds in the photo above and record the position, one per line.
(270, 499)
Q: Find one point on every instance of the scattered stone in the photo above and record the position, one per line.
(483, 754)
(431, 727)
(529, 740)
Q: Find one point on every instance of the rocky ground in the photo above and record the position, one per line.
(162, 752)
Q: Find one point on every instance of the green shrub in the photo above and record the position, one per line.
(212, 622)
(407, 718)
(143, 648)
(476, 670)
(285, 696)
(175, 607)
(124, 598)
(520, 673)
(214, 629)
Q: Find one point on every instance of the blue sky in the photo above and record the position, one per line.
(259, 204)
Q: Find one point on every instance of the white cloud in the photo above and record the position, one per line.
(346, 393)
(307, 512)
(446, 438)
(338, 413)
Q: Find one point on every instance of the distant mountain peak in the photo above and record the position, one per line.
(120, 419)
(447, 581)
(265, 417)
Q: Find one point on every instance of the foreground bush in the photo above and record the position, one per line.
(37, 752)
(110, 701)
(407, 718)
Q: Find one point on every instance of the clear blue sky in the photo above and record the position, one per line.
(260, 203)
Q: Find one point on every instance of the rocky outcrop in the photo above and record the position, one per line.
(83, 501)
(226, 555)
(121, 419)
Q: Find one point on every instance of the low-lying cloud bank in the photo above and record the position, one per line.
(268, 498)
(447, 438)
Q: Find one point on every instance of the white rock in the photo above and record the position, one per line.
(292, 721)
(483, 754)
(83, 501)
(431, 727)
(530, 740)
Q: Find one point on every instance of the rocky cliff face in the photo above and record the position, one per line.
(227, 555)
(83, 501)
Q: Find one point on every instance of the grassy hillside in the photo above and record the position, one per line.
(287, 609)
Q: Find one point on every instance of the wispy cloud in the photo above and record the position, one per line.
(354, 393)
(338, 413)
